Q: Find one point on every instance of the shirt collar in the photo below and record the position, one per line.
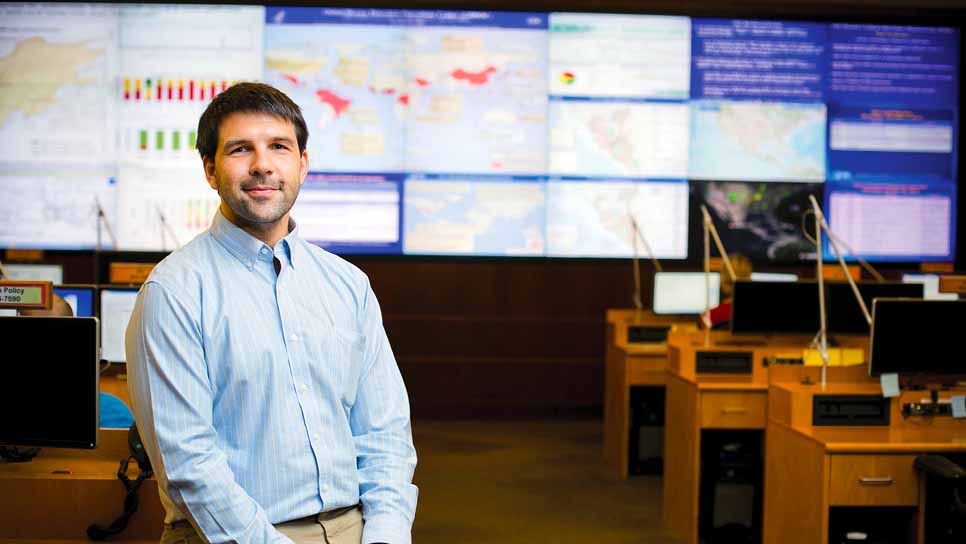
(248, 249)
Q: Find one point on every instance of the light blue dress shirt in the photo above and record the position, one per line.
(263, 398)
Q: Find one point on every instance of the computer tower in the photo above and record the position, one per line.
(646, 441)
(873, 525)
(732, 472)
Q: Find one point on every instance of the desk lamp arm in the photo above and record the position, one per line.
(820, 225)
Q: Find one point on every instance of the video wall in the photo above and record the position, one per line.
(473, 133)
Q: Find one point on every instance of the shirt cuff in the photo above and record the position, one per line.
(386, 528)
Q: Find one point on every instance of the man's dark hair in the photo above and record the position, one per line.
(247, 98)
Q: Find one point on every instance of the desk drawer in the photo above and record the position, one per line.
(733, 410)
(647, 370)
(873, 480)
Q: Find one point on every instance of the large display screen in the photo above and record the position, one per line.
(477, 133)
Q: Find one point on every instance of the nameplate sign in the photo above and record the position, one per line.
(952, 284)
(936, 268)
(25, 255)
(130, 272)
(26, 295)
(834, 272)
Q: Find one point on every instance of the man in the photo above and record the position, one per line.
(263, 384)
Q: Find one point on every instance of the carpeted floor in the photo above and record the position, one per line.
(526, 482)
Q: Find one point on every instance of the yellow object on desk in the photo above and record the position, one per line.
(836, 357)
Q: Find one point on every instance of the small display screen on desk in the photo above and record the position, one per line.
(645, 334)
(683, 292)
(918, 337)
(49, 390)
(116, 308)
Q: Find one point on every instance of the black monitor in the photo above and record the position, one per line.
(49, 391)
(775, 308)
(845, 316)
(917, 337)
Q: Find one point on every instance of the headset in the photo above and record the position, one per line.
(95, 531)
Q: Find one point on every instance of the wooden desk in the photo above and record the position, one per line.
(829, 467)
(627, 365)
(38, 505)
(699, 401)
(114, 381)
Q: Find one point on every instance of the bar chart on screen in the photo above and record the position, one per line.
(172, 64)
(160, 209)
(160, 144)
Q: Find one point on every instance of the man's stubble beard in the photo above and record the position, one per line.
(243, 209)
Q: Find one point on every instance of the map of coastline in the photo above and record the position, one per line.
(36, 70)
(473, 218)
(757, 141)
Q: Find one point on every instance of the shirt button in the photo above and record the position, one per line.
(264, 251)
(293, 337)
(303, 388)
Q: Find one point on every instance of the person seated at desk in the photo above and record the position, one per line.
(720, 316)
(114, 414)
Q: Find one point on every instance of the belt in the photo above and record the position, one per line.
(322, 516)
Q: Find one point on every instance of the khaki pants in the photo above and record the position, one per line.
(340, 526)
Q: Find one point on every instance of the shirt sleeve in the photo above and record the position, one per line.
(172, 398)
(386, 457)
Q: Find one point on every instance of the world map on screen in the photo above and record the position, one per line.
(474, 217)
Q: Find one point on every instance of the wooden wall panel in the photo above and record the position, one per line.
(499, 338)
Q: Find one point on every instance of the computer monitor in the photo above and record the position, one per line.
(772, 276)
(930, 283)
(917, 337)
(775, 308)
(79, 298)
(53, 273)
(683, 292)
(844, 313)
(49, 391)
(115, 311)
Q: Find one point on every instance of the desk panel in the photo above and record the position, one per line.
(36, 504)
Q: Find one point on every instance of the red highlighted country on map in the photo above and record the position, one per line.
(338, 104)
(474, 78)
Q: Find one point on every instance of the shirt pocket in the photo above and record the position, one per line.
(348, 362)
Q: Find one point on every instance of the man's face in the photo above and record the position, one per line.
(257, 170)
